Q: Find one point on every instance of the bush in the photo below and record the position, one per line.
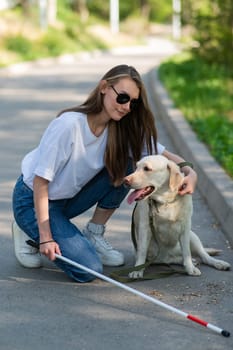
(212, 21)
(54, 43)
(20, 45)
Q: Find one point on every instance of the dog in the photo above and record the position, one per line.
(162, 218)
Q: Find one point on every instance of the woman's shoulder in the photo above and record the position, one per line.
(71, 119)
(68, 123)
(72, 116)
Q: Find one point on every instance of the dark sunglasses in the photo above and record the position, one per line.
(123, 98)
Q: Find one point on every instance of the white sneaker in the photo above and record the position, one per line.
(108, 255)
(26, 255)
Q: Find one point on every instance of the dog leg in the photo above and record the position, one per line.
(143, 237)
(187, 257)
(198, 249)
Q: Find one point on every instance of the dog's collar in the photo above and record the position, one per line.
(156, 203)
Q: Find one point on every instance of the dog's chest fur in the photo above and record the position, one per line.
(166, 219)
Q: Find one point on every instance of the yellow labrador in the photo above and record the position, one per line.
(162, 218)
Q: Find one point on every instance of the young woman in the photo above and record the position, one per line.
(81, 161)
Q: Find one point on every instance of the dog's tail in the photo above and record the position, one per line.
(213, 251)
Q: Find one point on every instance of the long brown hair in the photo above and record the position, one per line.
(131, 133)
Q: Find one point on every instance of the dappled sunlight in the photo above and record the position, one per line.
(6, 219)
(6, 188)
(6, 192)
(51, 67)
(58, 278)
(228, 194)
(40, 95)
(120, 226)
(115, 312)
(6, 215)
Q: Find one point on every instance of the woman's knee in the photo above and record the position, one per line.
(83, 276)
(79, 274)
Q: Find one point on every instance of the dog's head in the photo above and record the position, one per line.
(153, 173)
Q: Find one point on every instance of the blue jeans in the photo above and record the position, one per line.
(72, 243)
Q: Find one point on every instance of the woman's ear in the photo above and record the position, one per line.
(103, 86)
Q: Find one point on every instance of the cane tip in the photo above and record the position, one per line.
(225, 333)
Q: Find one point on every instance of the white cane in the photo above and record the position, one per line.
(216, 329)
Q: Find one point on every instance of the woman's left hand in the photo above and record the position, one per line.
(190, 179)
(189, 183)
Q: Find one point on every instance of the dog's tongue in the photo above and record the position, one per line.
(133, 196)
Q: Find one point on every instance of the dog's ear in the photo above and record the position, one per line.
(176, 177)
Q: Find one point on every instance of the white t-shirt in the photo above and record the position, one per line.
(69, 156)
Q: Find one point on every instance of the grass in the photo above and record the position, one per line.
(204, 93)
(24, 40)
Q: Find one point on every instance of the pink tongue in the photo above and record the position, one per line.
(134, 195)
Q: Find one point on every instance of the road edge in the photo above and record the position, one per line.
(213, 183)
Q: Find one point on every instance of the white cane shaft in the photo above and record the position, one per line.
(121, 285)
(144, 296)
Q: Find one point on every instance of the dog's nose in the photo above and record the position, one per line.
(126, 181)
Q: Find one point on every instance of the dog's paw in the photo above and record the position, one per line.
(136, 274)
(193, 271)
(222, 265)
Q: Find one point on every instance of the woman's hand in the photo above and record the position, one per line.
(49, 249)
(190, 181)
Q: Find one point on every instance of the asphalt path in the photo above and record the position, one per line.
(43, 309)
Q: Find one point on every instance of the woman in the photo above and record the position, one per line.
(81, 161)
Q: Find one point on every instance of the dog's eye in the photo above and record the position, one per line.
(146, 168)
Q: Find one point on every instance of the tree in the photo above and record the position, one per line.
(25, 6)
(80, 6)
(51, 11)
(213, 24)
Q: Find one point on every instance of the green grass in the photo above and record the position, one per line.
(24, 40)
(52, 43)
(204, 94)
(28, 42)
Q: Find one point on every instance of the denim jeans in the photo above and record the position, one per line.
(72, 243)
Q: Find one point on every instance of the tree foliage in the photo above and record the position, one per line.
(151, 10)
(212, 21)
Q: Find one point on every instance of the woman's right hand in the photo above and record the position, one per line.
(49, 249)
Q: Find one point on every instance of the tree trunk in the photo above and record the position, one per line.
(51, 11)
(25, 6)
(80, 6)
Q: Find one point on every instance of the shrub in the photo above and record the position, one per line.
(20, 45)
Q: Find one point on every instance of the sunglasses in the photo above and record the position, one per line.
(123, 98)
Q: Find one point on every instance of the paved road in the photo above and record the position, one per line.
(42, 309)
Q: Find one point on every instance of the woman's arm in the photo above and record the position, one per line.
(190, 179)
(41, 202)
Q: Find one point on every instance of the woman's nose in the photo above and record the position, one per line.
(127, 106)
